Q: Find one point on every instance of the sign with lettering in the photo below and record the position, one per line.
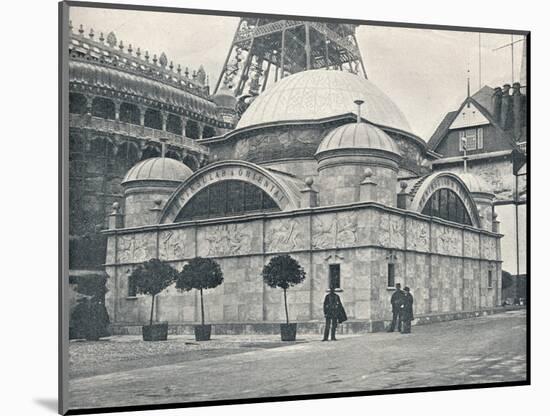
(240, 171)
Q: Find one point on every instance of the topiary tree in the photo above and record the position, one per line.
(283, 271)
(151, 278)
(200, 273)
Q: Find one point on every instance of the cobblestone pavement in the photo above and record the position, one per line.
(478, 350)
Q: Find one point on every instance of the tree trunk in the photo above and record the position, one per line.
(152, 308)
(286, 308)
(202, 309)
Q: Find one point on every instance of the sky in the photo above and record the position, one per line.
(423, 71)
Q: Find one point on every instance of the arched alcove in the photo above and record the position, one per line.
(103, 108)
(129, 113)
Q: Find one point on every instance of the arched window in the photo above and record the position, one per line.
(77, 103)
(446, 204)
(129, 113)
(153, 119)
(127, 155)
(192, 162)
(227, 198)
(173, 155)
(101, 156)
(192, 129)
(103, 107)
(150, 151)
(208, 132)
(174, 124)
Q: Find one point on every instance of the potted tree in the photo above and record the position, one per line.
(283, 271)
(200, 273)
(151, 278)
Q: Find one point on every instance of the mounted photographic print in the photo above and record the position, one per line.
(247, 197)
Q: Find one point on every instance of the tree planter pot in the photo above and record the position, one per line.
(155, 332)
(202, 332)
(288, 332)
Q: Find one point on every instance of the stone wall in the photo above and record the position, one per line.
(445, 265)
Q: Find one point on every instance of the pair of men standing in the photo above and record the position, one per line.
(402, 310)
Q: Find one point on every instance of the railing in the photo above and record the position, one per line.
(145, 133)
(263, 30)
(88, 49)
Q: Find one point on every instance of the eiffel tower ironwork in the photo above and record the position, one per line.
(267, 50)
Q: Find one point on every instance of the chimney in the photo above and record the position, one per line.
(517, 101)
(497, 103)
(506, 109)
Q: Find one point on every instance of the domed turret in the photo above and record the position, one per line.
(227, 103)
(346, 152)
(147, 185)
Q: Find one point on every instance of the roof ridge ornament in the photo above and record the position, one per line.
(111, 39)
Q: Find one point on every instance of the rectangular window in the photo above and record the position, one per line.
(480, 138)
(132, 290)
(391, 275)
(490, 279)
(471, 139)
(334, 276)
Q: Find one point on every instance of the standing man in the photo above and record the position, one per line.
(396, 303)
(331, 309)
(407, 308)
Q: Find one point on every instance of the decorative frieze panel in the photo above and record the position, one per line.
(176, 244)
(346, 229)
(488, 248)
(471, 244)
(285, 235)
(418, 235)
(323, 233)
(390, 230)
(226, 240)
(448, 240)
(136, 248)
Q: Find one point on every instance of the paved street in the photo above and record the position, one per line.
(485, 349)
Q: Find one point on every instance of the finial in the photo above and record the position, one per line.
(403, 185)
(359, 104)
(194, 74)
(130, 50)
(179, 69)
(186, 73)
(155, 59)
(309, 181)
(111, 39)
(368, 173)
(101, 38)
(138, 52)
(147, 56)
(91, 34)
(163, 60)
(171, 66)
(468, 83)
(121, 46)
(81, 29)
(70, 25)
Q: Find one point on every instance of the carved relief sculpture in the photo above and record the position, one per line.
(347, 229)
(284, 237)
(172, 245)
(323, 234)
(231, 239)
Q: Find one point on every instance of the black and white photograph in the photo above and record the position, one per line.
(261, 207)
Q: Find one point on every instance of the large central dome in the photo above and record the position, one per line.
(321, 93)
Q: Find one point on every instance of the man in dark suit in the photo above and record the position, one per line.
(407, 308)
(396, 303)
(331, 308)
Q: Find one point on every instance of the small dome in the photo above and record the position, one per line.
(158, 169)
(358, 136)
(474, 183)
(225, 98)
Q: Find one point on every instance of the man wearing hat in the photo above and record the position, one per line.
(396, 302)
(407, 310)
(332, 307)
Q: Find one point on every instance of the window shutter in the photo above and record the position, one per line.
(480, 138)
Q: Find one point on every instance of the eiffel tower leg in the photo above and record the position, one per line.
(360, 57)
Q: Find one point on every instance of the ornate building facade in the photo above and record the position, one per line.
(124, 104)
(344, 188)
